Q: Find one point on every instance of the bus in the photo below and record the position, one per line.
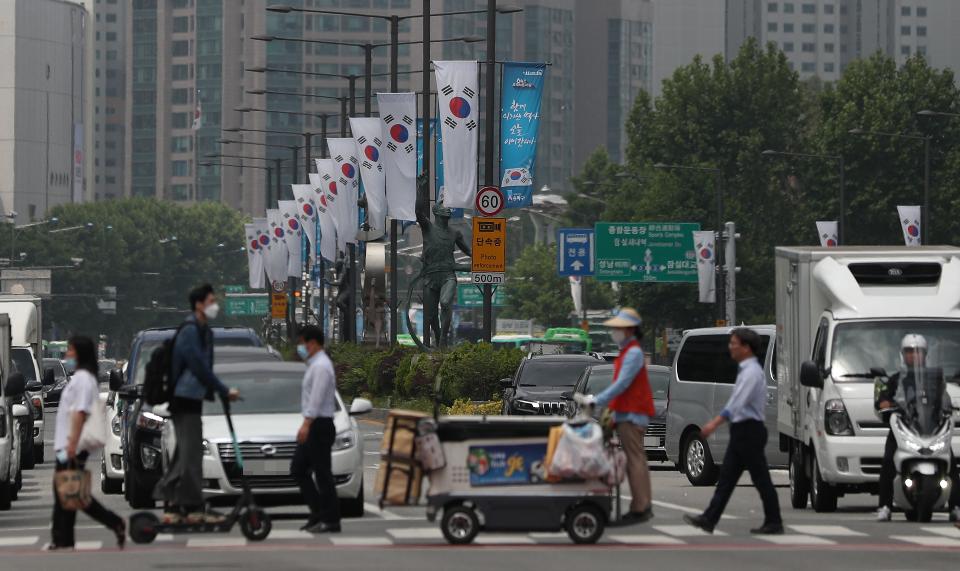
(562, 341)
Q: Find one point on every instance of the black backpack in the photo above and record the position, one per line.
(159, 381)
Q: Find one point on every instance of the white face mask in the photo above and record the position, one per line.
(619, 336)
(212, 311)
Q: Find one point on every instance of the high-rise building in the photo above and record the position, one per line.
(42, 94)
(106, 55)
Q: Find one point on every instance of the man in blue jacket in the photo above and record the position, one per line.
(181, 487)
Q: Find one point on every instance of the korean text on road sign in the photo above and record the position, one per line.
(489, 260)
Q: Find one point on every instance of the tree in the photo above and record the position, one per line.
(152, 251)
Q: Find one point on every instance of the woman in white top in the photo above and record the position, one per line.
(76, 403)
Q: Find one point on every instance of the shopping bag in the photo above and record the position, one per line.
(580, 453)
(556, 432)
(618, 466)
(429, 451)
(93, 435)
(73, 488)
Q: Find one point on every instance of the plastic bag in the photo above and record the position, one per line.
(618, 466)
(580, 453)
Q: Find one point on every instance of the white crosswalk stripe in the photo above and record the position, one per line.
(929, 541)
(685, 531)
(19, 541)
(416, 533)
(826, 530)
(88, 545)
(791, 539)
(652, 539)
(216, 542)
(359, 541)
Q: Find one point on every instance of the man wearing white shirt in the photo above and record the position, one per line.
(311, 464)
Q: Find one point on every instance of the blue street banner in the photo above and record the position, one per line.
(506, 464)
(519, 121)
(575, 251)
(438, 154)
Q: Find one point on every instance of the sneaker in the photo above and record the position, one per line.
(170, 518)
(884, 513)
(206, 518)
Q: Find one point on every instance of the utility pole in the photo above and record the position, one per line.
(730, 271)
(488, 148)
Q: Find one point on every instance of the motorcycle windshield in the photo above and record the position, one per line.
(922, 389)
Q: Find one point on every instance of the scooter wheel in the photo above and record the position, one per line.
(255, 524)
(143, 527)
(459, 525)
(585, 524)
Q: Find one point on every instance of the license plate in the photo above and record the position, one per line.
(266, 467)
(651, 441)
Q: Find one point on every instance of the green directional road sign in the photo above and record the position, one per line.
(234, 289)
(468, 296)
(655, 252)
(247, 304)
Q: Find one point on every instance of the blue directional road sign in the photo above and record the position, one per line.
(575, 251)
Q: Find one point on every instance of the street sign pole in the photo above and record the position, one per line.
(488, 148)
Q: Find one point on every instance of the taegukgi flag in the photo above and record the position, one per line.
(367, 132)
(829, 234)
(254, 257)
(325, 225)
(336, 200)
(520, 99)
(705, 246)
(398, 114)
(293, 236)
(277, 253)
(910, 222)
(344, 153)
(457, 85)
(306, 210)
(276, 277)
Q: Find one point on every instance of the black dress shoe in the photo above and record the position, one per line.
(699, 521)
(310, 523)
(324, 527)
(638, 517)
(768, 529)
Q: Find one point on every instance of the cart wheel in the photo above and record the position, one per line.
(255, 524)
(459, 525)
(143, 527)
(585, 524)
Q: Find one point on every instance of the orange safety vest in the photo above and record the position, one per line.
(638, 398)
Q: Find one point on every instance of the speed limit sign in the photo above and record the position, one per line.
(489, 201)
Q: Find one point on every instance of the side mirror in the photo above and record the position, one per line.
(48, 377)
(810, 375)
(116, 380)
(34, 386)
(16, 385)
(506, 383)
(360, 406)
(20, 411)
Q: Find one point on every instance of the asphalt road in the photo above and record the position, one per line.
(401, 538)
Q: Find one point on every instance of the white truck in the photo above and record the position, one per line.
(11, 388)
(840, 313)
(27, 354)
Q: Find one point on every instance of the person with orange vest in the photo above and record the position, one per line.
(630, 399)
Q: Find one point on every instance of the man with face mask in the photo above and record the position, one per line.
(631, 400)
(181, 487)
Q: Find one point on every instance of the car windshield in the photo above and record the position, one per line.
(147, 347)
(538, 373)
(600, 379)
(57, 366)
(263, 393)
(23, 363)
(858, 347)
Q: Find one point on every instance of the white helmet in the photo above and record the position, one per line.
(913, 341)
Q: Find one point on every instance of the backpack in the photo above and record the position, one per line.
(158, 382)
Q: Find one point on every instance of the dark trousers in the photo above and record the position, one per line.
(745, 452)
(888, 472)
(311, 467)
(64, 520)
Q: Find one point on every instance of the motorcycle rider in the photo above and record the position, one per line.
(896, 392)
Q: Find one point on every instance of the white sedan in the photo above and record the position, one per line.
(266, 422)
(111, 460)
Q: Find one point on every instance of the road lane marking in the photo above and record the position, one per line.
(792, 539)
(649, 539)
(374, 508)
(503, 539)
(944, 531)
(88, 545)
(928, 541)
(216, 542)
(829, 530)
(416, 533)
(684, 531)
(360, 541)
(18, 541)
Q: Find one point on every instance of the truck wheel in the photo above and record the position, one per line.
(799, 482)
(823, 496)
(698, 462)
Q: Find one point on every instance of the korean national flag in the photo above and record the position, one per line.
(516, 177)
(459, 102)
(910, 223)
(367, 134)
(398, 131)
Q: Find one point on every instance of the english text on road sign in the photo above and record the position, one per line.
(575, 251)
(490, 201)
(469, 295)
(246, 304)
(278, 305)
(487, 278)
(656, 252)
(489, 247)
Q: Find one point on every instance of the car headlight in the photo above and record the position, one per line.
(115, 425)
(206, 448)
(150, 421)
(835, 419)
(527, 405)
(344, 440)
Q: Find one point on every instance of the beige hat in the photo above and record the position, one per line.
(626, 317)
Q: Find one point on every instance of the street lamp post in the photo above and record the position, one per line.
(925, 211)
(841, 224)
(718, 181)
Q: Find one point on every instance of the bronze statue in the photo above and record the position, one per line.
(439, 267)
(343, 299)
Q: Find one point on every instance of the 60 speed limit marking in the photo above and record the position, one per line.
(490, 201)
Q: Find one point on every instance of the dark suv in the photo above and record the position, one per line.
(141, 428)
(540, 381)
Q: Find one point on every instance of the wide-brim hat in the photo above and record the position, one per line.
(626, 317)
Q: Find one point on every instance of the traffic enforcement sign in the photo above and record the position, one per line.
(655, 252)
(278, 305)
(490, 201)
(489, 261)
(575, 251)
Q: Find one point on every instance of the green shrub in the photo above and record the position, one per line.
(461, 407)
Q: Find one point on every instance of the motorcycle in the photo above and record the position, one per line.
(922, 424)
